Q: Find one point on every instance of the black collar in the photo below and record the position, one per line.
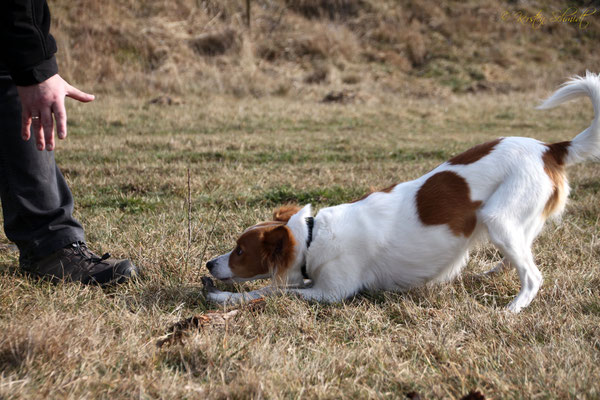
(310, 223)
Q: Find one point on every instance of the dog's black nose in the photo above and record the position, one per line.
(210, 265)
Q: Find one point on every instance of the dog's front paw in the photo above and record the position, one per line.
(212, 293)
(208, 284)
(217, 296)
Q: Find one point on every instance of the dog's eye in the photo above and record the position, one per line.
(239, 251)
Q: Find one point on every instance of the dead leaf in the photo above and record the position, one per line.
(213, 318)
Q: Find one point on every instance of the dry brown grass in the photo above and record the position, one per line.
(205, 47)
(127, 163)
(183, 85)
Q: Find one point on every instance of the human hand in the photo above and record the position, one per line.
(42, 100)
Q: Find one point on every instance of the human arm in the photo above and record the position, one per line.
(27, 51)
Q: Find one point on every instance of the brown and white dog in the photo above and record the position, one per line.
(420, 231)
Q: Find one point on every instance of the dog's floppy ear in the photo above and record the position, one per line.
(278, 248)
(284, 213)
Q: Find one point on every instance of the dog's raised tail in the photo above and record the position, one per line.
(586, 145)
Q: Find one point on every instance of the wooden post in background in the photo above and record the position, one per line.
(248, 14)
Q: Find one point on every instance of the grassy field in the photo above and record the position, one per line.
(127, 162)
(203, 125)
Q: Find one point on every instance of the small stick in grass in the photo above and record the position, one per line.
(209, 237)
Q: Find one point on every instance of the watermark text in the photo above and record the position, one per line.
(571, 15)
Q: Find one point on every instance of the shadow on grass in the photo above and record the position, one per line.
(11, 268)
(477, 287)
(170, 298)
(488, 291)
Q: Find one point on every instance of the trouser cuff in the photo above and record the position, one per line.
(50, 246)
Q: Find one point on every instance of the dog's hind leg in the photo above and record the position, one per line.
(504, 265)
(516, 247)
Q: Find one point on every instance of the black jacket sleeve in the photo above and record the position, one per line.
(26, 47)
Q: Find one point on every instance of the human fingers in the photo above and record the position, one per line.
(77, 94)
(48, 127)
(25, 125)
(60, 115)
(38, 131)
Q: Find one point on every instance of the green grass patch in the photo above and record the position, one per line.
(322, 196)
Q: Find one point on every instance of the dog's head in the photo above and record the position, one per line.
(269, 249)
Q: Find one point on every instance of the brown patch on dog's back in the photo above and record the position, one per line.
(554, 166)
(475, 153)
(385, 190)
(445, 199)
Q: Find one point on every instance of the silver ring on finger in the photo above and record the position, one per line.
(36, 117)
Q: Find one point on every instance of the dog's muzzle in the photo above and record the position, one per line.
(219, 267)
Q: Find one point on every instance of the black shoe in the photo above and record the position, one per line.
(78, 264)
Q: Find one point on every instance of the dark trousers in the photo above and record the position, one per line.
(36, 201)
